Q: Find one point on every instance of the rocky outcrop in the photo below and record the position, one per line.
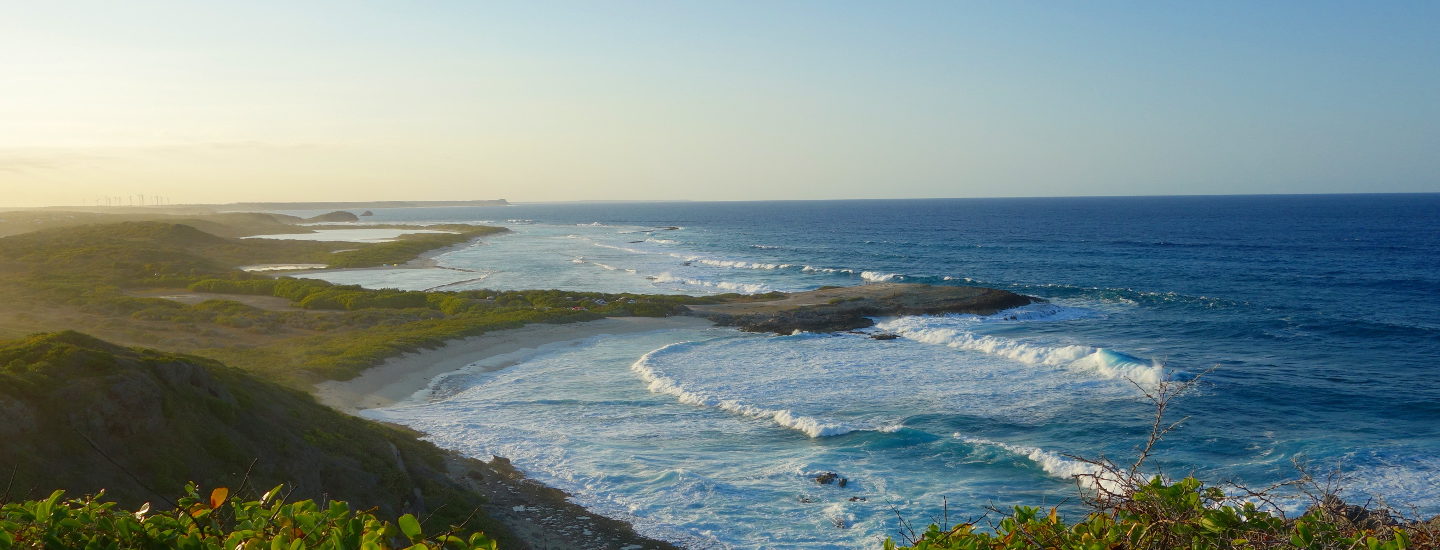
(849, 308)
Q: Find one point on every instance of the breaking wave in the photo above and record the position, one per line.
(1106, 363)
(1054, 464)
(878, 277)
(743, 288)
(657, 382)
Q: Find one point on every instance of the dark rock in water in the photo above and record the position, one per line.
(884, 336)
(843, 482)
(334, 217)
(849, 308)
(806, 499)
(858, 499)
(670, 228)
(367, 213)
(827, 478)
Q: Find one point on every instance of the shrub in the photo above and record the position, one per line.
(216, 523)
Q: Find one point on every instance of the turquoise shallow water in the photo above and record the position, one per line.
(1319, 315)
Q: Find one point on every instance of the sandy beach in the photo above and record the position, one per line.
(400, 377)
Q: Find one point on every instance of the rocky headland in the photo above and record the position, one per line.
(848, 308)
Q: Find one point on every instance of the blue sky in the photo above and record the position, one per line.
(216, 102)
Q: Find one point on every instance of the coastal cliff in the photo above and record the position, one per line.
(848, 308)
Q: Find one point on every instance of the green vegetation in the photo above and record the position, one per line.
(1184, 514)
(411, 246)
(151, 421)
(81, 414)
(229, 224)
(148, 421)
(74, 260)
(110, 279)
(217, 522)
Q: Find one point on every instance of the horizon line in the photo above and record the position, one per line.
(617, 201)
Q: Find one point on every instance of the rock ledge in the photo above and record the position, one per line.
(848, 308)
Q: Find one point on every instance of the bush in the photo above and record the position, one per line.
(213, 523)
(1184, 514)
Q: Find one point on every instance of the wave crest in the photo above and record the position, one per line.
(1104, 362)
(659, 383)
(743, 288)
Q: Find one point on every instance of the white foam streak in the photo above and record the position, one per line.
(1100, 361)
(1053, 463)
(659, 383)
(620, 248)
(744, 288)
(733, 264)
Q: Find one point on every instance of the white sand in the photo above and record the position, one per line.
(398, 378)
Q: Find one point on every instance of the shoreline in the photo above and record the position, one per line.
(531, 510)
(398, 378)
(425, 260)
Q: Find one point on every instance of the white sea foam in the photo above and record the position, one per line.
(1104, 362)
(662, 241)
(744, 288)
(659, 383)
(962, 279)
(878, 277)
(620, 248)
(1053, 463)
(813, 269)
(867, 276)
(733, 264)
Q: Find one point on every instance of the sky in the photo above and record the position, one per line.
(212, 102)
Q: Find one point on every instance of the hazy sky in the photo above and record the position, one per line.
(262, 100)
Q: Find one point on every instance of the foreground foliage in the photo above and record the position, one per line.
(1184, 514)
(216, 522)
(152, 420)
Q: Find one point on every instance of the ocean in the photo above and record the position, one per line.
(1313, 321)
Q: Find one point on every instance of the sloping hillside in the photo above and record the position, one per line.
(83, 415)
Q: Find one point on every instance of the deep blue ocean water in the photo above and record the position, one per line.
(1319, 315)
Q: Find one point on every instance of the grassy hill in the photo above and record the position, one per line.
(83, 415)
(111, 280)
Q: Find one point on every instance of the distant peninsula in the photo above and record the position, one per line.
(252, 206)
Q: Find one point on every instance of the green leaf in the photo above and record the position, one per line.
(410, 526)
